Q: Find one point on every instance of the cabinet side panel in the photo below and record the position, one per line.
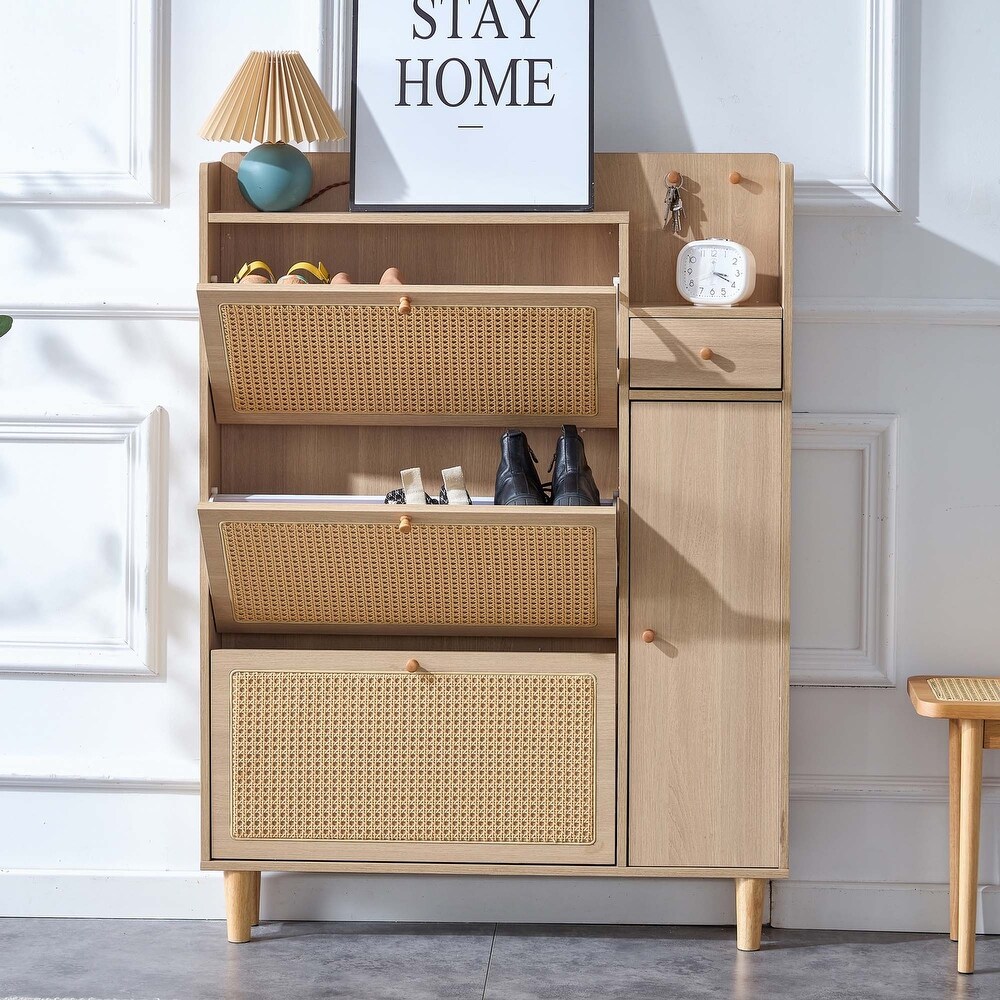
(706, 740)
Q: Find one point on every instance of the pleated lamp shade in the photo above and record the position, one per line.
(273, 98)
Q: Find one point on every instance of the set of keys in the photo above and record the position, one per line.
(673, 201)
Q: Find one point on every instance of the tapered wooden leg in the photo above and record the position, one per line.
(954, 790)
(749, 912)
(239, 904)
(255, 915)
(968, 840)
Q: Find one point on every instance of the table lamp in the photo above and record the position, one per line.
(273, 100)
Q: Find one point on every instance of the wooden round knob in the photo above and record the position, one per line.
(405, 306)
(649, 635)
(706, 354)
(735, 177)
(405, 525)
(673, 178)
(412, 666)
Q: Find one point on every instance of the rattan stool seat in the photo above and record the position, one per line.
(955, 697)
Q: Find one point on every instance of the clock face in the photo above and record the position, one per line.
(715, 272)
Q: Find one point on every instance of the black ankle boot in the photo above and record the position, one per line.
(517, 479)
(572, 481)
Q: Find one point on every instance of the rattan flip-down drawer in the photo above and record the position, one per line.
(462, 757)
(476, 355)
(408, 570)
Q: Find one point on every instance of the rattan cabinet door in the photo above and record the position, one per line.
(452, 571)
(350, 756)
(487, 356)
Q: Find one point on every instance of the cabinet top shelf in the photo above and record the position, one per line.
(419, 218)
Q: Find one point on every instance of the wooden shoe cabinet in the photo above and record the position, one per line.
(595, 691)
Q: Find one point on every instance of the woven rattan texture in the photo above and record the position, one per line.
(982, 689)
(476, 575)
(445, 758)
(439, 360)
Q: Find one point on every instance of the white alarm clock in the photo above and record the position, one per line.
(716, 272)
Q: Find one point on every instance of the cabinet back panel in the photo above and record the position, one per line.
(430, 255)
(748, 212)
(366, 461)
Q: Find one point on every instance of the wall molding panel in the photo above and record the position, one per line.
(38, 776)
(104, 310)
(141, 438)
(871, 663)
(879, 788)
(878, 190)
(816, 310)
(856, 311)
(143, 179)
(336, 63)
(183, 779)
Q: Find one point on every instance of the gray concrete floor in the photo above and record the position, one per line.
(191, 960)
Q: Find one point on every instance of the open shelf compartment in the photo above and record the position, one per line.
(474, 355)
(407, 570)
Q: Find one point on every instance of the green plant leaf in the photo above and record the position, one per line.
(6, 322)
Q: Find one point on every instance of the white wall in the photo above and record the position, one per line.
(897, 515)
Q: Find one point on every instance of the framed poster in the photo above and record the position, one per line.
(473, 104)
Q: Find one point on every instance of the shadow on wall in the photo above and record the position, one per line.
(619, 92)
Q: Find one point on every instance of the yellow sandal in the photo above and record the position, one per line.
(305, 273)
(256, 272)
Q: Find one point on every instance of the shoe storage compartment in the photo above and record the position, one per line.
(362, 568)
(738, 350)
(488, 356)
(488, 757)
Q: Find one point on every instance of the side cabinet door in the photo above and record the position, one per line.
(707, 738)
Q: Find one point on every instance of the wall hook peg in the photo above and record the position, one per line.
(735, 177)
(674, 178)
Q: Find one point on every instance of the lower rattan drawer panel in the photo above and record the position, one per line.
(473, 757)
(454, 570)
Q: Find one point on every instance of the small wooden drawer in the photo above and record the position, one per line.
(413, 756)
(706, 353)
(418, 355)
(408, 570)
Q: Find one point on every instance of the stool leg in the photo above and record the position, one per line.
(954, 791)
(968, 840)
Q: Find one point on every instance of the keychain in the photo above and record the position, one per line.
(675, 206)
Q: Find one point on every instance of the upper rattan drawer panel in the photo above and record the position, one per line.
(344, 568)
(478, 356)
(705, 353)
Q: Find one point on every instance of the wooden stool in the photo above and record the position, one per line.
(972, 707)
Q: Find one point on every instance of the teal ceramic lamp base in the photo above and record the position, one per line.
(275, 177)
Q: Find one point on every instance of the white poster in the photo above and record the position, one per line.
(472, 104)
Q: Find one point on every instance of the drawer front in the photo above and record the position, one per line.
(472, 757)
(471, 571)
(484, 356)
(667, 353)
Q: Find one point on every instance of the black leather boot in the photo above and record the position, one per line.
(572, 481)
(517, 479)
